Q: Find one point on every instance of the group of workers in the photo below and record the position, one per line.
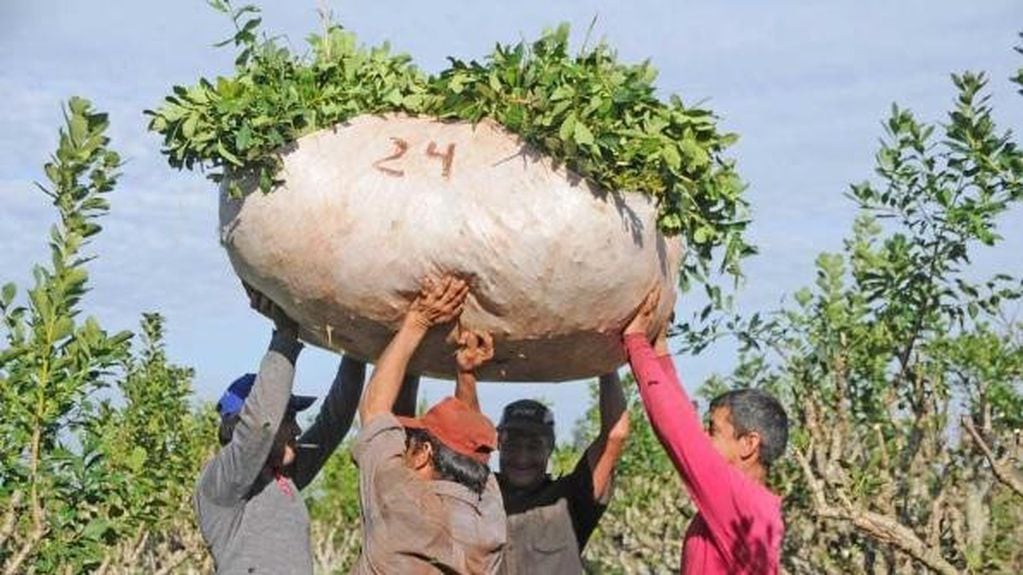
(429, 501)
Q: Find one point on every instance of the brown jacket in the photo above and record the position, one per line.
(411, 526)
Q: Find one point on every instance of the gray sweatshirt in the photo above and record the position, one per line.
(252, 521)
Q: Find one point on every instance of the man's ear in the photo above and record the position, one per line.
(749, 445)
(423, 455)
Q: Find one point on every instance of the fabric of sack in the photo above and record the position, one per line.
(369, 207)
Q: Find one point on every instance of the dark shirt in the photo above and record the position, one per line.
(412, 525)
(548, 526)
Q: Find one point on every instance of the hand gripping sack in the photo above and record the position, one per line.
(368, 208)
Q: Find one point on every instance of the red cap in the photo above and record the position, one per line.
(459, 427)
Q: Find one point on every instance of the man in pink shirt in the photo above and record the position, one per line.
(738, 528)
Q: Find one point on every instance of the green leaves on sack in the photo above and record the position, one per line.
(597, 115)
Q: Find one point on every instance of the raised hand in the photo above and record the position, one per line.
(643, 321)
(439, 301)
(264, 305)
(474, 349)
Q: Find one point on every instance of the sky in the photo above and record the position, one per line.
(805, 84)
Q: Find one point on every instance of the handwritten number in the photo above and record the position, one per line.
(400, 147)
(447, 158)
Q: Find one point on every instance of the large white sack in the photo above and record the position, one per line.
(556, 266)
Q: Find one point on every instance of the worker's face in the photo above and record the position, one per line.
(738, 449)
(524, 455)
(283, 453)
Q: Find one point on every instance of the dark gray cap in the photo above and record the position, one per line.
(527, 415)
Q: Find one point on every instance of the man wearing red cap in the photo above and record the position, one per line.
(429, 501)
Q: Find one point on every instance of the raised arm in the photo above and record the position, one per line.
(236, 466)
(438, 302)
(474, 349)
(711, 482)
(332, 423)
(605, 451)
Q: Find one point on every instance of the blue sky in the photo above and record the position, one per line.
(805, 84)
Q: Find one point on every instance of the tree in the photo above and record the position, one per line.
(80, 476)
(153, 442)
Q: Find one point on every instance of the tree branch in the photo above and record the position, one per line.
(11, 516)
(879, 527)
(1003, 472)
(26, 549)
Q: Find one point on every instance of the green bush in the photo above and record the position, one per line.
(88, 483)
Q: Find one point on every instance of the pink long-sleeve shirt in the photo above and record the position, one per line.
(738, 528)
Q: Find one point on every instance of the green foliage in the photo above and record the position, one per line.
(597, 115)
(80, 476)
(240, 124)
(603, 119)
(334, 494)
(153, 441)
(51, 363)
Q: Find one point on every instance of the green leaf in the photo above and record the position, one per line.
(567, 130)
(582, 135)
(562, 92)
(694, 153)
(78, 128)
(456, 84)
(243, 139)
(62, 328)
(251, 25)
(188, 127)
(224, 153)
(671, 156)
(137, 459)
(7, 293)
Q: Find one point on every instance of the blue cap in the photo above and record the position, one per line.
(234, 397)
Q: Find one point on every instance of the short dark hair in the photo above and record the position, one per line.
(528, 416)
(450, 465)
(755, 410)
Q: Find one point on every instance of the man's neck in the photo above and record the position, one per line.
(756, 472)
